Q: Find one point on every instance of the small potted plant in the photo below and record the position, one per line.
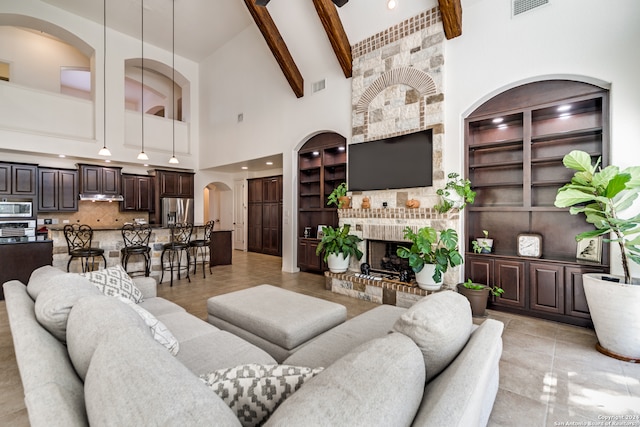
(431, 254)
(456, 193)
(338, 247)
(483, 245)
(602, 195)
(339, 197)
(478, 294)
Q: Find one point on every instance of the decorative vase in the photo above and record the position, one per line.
(424, 278)
(477, 298)
(616, 318)
(337, 264)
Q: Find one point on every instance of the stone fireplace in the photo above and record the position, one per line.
(397, 89)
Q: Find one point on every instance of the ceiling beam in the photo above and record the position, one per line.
(335, 31)
(451, 12)
(277, 45)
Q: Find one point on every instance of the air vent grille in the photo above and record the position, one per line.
(521, 6)
(318, 86)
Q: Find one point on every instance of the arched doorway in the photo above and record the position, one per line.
(218, 205)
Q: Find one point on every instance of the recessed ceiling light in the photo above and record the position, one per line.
(62, 156)
(391, 4)
(341, 148)
(269, 163)
(564, 108)
(244, 168)
(565, 115)
(316, 153)
(498, 120)
(502, 126)
(107, 161)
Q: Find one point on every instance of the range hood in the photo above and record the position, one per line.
(102, 197)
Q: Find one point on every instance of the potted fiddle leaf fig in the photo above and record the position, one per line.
(431, 254)
(456, 193)
(338, 247)
(339, 197)
(602, 195)
(478, 295)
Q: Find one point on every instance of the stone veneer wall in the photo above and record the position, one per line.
(397, 89)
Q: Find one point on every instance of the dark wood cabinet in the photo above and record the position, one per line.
(99, 180)
(220, 248)
(322, 166)
(20, 259)
(138, 193)
(175, 184)
(18, 179)
(515, 143)
(58, 190)
(264, 210)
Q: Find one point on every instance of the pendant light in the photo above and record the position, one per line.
(104, 151)
(142, 155)
(173, 160)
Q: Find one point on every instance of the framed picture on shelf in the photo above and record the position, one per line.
(320, 233)
(590, 249)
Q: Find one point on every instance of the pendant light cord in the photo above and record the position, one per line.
(142, 70)
(173, 73)
(104, 74)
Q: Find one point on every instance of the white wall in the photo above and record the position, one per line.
(119, 48)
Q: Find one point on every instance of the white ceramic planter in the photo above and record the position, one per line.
(425, 278)
(337, 264)
(485, 244)
(616, 318)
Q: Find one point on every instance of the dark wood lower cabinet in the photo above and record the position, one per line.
(549, 289)
(220, 248)
(18, 260)
(264, 210)
(307, 258)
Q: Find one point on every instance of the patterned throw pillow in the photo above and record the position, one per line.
(114, 281)
(159, 330)
(254, 391)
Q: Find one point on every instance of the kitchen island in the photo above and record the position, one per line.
(19, 259)
(110, 239)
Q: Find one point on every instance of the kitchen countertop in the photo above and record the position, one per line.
(58, 227)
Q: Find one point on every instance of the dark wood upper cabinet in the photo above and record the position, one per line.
(18, 179)
(138, 193)
(99, 180)
(175, 184)
(58, 190)
(264, 228)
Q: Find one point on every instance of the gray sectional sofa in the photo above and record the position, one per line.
(108, 369)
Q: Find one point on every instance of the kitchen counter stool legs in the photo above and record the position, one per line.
(180, 237)
(201, 247)
(136, 242)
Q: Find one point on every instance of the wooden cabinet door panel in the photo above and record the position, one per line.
(48, 183)
(91, 180)
(254, 227)
(111, 181)
(575, 299)
(68, 190)
(480, 269)
(24, 178)
(185, 185)
(546, 282)
(5, 179)
(144, 190)
(510, 276)
(168, 184)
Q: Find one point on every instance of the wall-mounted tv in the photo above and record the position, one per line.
(399, 162)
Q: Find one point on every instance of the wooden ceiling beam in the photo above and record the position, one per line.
(277, 45)
(335, 31)
(451, 12)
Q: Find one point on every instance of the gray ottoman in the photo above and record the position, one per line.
(275, 319)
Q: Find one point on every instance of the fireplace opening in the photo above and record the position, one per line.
(382, 258)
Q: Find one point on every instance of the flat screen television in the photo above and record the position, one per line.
(399, 162)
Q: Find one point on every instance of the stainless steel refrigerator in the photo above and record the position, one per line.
(176, 211)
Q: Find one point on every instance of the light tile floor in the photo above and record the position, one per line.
(550, 373)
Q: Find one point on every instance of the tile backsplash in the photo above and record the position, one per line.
(95, 214)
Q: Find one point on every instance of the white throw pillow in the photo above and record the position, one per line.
(159, 330)
(254, 391)
(114, 281)
(440, 324)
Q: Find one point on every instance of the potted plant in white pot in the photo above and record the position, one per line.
(478, 295)
(614, 302)
(456, 193)
(483, 245)
(338, 247)
(431, 254)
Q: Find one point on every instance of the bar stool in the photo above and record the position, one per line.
(78, 239)
(201, 246)
(136, 242)
(180, 237)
